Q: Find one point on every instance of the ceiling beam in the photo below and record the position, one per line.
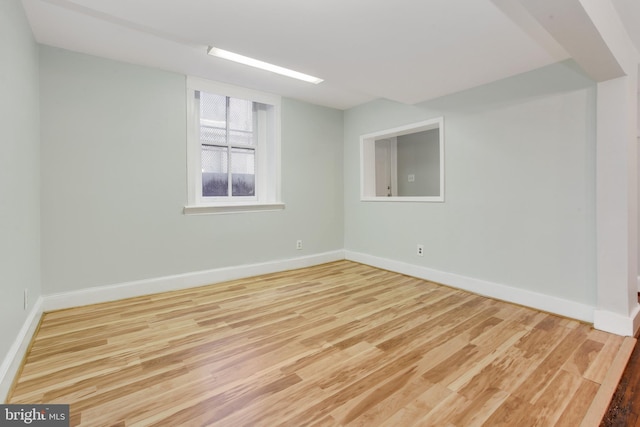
(590, 31)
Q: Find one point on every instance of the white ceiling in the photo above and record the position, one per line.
(629, 12)
(404, 50)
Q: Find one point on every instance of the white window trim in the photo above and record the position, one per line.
(268, 194)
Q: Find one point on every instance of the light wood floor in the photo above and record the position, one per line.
(337, 344)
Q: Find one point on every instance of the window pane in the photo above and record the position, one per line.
(243, 172)
(212, 135)
(215, 168)
(240, 122)
(213, 107)
(213, 118)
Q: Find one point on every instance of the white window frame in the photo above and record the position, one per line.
(267, 162)
(368, 164)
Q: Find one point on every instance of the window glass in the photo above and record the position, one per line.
(215, 167)
(227, 126)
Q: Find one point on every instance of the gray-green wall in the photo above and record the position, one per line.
(19, 171)
(519, 204)
(419, 155)
(115, 180)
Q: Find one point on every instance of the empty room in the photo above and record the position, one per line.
(317, 213)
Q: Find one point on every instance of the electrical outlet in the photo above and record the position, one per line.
(420, 250)
(298, 244)
(26, 298)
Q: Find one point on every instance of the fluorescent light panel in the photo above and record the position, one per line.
(225, 54)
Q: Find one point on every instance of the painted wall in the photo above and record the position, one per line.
(115, 180)
(519, 185)
(19, 171)
(419, 155)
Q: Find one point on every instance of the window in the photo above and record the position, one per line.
(233, 148)
(404, 163)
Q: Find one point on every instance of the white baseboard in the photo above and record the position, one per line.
(512, 294)
(181, 281)
(615, 323)
(13, 359)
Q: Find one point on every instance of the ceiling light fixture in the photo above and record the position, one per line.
(225, 54)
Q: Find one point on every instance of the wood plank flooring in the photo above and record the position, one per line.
(331, 345)
(624, 409)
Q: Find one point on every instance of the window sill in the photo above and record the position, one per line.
(434, 199)
(231, 208)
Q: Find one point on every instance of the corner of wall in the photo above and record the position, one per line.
(13, 360)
